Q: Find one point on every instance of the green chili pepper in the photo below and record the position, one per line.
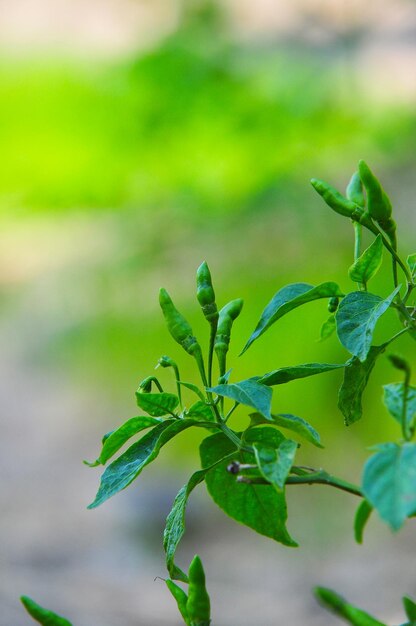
(354, 191)
(181, 330)
(342, 205)
(226, 318)
(205, 294)
(41, 615)
(379, 205)
(198, 604)
(180, 597)
(333, 304)
(178, 327)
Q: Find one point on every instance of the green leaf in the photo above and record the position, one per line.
(275, 463)
(200, 410)
(389, 482)
(117, 438)
(393, 399)
(287, 299)
(356, 318)
(126, 468)
(181, 599)
(157, 404)
(411, 262)
(248, 392)
(258, 506)
(193, 388)
(410, 608)
(368, 264)
(41, 615)
(175, 522)
(286, 374)
(336, 603)
(356, 375)
(291, 422)
(362, 516)
(328, 328)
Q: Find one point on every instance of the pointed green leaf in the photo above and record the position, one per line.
(328, 328)
(389, 482)
(157, 404)
(175, 522)
(275, 463)
(112, 442)
(286, 374)
(368, 264)
(410, 608)
(336, 603)
(356, 318)
(356, 375)
(393, 399)
(411, 262)
(287, 299)
(291, 422)
(362, 516)
(258, 506)
(248, 392)
(126, 468)
(193, 388)
(181, 599)
(200, 410)
(41, 615)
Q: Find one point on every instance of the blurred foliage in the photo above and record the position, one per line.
(120, 177)
(199, 122)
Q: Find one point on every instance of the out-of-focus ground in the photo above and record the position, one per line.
(127, 159)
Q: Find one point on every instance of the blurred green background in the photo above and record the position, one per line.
(125, 164)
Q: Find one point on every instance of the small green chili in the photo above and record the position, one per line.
(198, 604)
(378, 202)
(181, 330)
(205, 294)
(354, 191)
(226, 318)
(342, 205)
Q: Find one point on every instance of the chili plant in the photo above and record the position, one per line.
(246, 472)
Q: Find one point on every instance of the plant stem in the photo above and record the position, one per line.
(233, 437)
(211, 352)
(320, 477)
(396, 258)
(231, 411)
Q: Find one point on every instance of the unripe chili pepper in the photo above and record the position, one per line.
(378, 202)
(205, 294)
(342, 205)
(226, 318)
(178, 326)
(354, 191)
(333, 304)
(198, 604)
(180, 597)
(181, 330)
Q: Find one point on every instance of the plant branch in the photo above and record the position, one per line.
(320, 477)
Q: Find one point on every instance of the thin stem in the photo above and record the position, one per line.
(406, 434)
(396, 336)
(320, 477)
(357, 250)
(233, 437)
(357, 243)
(395, 256)
(231, 411)
(178, 385)
(409, 290)
(211, 352)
